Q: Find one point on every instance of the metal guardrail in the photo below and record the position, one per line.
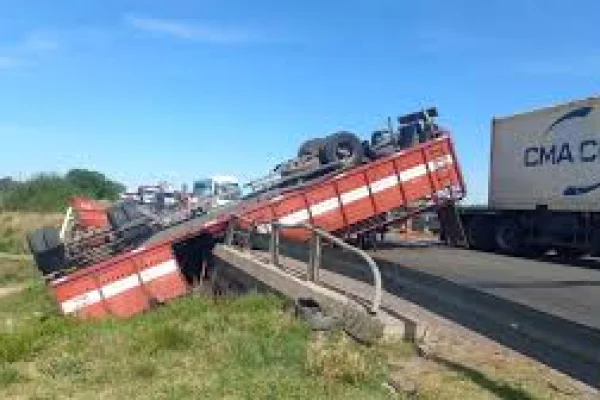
(314, 263)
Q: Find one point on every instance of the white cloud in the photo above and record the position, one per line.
(192, 31)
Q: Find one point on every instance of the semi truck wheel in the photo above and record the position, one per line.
(509, 237)
(570, 253)
(480, 233)
(343, 147)
(311, 147)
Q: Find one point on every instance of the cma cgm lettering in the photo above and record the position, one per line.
(587, 150)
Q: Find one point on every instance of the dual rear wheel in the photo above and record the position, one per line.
(344, 147)
(506, 235)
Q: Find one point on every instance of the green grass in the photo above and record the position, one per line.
(244, 348)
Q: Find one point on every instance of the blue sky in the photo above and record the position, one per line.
(173, 89)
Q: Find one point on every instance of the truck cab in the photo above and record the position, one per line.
(217, 191)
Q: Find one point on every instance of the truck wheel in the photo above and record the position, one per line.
(480, 234)
(43, 239)
(311, 147)
(47, 250)
(343, 147)
(36, 241)
(509, 237)
(131, 210)
(536, 251)
(595, 242)
(570, 253)
(117, 217)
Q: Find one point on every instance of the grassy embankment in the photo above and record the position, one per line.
(245, 348)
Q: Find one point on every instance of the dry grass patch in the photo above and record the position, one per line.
(16, 272)
(15, 225)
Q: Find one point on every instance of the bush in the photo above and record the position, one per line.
(51, 192)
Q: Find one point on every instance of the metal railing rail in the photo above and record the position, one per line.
(314, 263)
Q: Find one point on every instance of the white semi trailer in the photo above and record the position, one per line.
(544, 187)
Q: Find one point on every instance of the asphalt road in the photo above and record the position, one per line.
(545, 309)
(569, 291)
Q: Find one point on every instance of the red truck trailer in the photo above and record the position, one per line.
(354, 201)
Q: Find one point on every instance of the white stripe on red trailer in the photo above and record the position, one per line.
(117, 287)
(362, 192)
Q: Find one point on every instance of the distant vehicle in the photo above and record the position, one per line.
(166, 197)
(216, 191)
(147, 194)
(544, 183)
(133, 196)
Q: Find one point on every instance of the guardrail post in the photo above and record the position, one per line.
(251, 234)
(314, 257)
(274, 244)
(230, 231)
(310, 273)
(317, 258)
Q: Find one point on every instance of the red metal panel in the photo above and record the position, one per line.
(121, 289)
(90, 213)
(325, 207)
(443, 166)
(261, 215)
(160, 275)
(79, 297)
(293, 209)
(385, 189)
(413, 174)
(354, 194)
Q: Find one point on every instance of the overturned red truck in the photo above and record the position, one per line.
(350, 188)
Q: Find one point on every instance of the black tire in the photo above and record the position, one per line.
(570, 253)
(311, 147)
(595, 242)
(36, 241)
(536, 251)
(480, 233)
(131, 210)
(343, 147)
(310, 311)
(117, 217)
(52, 237)
(43, 239)
(47, 250)
(509, 237)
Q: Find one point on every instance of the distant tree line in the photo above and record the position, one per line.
(48, 192)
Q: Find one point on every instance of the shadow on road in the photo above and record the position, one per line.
(502, 390)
